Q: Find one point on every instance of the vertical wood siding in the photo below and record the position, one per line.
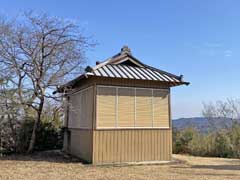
(126, 107)
(106, 109)
(161, 108)
(122, 145)
(65, 141)
(81, 144)
(144, 114)
(80, 109)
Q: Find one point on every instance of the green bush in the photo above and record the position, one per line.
(182, 140)
(48, 136)
(223, 143)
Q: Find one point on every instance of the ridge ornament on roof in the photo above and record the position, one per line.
(125, 66)
(125, 50)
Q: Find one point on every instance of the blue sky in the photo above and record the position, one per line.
(199, 39)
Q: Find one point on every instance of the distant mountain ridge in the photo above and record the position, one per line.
(200, 123)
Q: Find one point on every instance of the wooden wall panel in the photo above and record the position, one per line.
(130, 82)
(65, 141)
(161, 108)
(144, 108)
(106, 107)
(89, 104)
(80, 109)
(81, 143)
(126, 107)
(122, 145)
(73, 111)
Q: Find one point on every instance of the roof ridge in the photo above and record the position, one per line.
(106, 61)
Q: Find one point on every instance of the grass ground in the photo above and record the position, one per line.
(52, 165)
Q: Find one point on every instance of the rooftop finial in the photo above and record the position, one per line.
(88, 69)
(181, 77)
(125, 50)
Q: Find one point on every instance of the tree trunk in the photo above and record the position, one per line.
(35, 127)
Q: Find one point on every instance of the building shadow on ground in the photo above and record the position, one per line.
(217, 167)
(55, 156)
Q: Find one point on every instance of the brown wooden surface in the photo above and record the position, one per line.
(106, 107)
(121, 145)
(132, 107)
(161, 108)
(126, 107)
(144, 114)
(80, 109)
(81, 144)
(130, 83)
(111, 146)
(118, 82)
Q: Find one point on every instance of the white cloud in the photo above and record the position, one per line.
(213, 44)
(228, 53)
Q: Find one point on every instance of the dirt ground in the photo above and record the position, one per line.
(52, 165)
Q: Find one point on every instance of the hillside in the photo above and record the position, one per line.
(201, 123)
(196, 122)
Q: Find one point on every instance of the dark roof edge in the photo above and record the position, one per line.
(70, 83)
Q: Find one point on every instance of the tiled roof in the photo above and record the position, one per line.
(133, 72)
(124, 65)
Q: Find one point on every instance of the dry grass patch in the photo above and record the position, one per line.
(52, 165)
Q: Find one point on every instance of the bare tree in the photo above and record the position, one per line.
(37, 53)
(223, 112)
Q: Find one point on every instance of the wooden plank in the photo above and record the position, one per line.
(161, 147)
(164, 145)
(132, 145)
(148, 145)
(95, 148)
(155, 145)
(112, 148)
(106, 107)
(126, 107)
(161, 108)
(118, 136)
(143, 107)
(170, 144)
(135, 139)
(152, 148)
(81, 144)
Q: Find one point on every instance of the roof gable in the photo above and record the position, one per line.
(129, 62)
(124, 57)
(125, 65)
